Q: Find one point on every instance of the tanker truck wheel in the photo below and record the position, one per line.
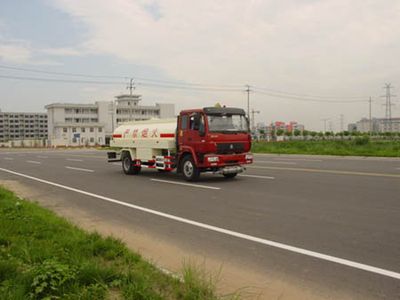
(231, 175)
(127, 165)
(189, 170)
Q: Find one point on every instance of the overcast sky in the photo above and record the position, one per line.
(333, 50)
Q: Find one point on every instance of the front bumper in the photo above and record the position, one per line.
(224, 160)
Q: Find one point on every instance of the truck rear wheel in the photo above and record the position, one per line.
(189, 170)
(127, 165)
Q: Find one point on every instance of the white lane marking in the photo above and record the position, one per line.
(79, 169)
(116, 164)
(256, 176)
(243, 236)
(275, 162)
(298, 159)
(33, 162)
(41, 156)
(336, 172)
(74, 159)
(332, 157)
(8, 158)
(186, 184)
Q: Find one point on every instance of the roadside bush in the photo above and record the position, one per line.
(361, 141)
(49, 278)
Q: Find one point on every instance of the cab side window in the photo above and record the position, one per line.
(196, 122)
(184, 121)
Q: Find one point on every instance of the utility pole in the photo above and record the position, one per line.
(388, 104)
(341, 123)
(325, 120)
(253, 112)
(370, 115)
(248, 101)
(131, 86)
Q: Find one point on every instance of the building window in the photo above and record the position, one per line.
(100, 129)
(92, 140)
(73, 129)
(65, 130)
(100, 140)
(83, 129)
(91, 129)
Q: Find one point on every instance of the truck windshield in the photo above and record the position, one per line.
(227, 123)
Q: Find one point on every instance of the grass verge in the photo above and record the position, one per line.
(42, 256)
(358, 147)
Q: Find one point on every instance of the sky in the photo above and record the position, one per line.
(305, 60)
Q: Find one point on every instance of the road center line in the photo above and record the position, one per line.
(186, 184)
(298, 159)
(74, 159)
(256, 176)
(33, 162)
(337, 172)
(243, 236)
(42, 156)
(79, 169)
(8, 158)
(275, 162)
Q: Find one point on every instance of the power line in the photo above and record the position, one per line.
(59, 80)
(180, 84)
(307, 95)
(118, 77)
(257, 91)
(114, 82)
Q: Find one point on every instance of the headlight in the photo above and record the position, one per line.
(249, 157)
(213, 159)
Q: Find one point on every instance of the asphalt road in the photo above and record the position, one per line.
(328, 224)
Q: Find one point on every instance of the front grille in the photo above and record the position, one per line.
(224, 148)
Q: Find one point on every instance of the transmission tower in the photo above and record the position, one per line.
(253, 123)
(131, 86)
(388, 105)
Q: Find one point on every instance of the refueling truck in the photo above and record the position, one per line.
(212, 139)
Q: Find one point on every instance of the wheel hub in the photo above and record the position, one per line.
(188, 168)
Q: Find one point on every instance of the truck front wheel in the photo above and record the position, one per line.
(127, 165)
(230, 175)
(189, 170)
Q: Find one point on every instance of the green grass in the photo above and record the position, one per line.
(361, 146)
(42, 256)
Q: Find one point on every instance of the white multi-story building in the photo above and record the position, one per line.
(378, 125)
(23, 129)
(75, 125)
(93, 124)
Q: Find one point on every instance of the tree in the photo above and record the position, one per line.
(279, 132)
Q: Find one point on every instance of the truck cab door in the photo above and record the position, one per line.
(190, 128)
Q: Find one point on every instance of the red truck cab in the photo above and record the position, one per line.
(213, 139)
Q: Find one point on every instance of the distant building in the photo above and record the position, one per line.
(93, 124)
(23, 129)
(352, 127)
(377, 125)
(292, 126)
(392, 125)
(289, 127)
(75, 124)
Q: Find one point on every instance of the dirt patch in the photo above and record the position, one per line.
(167, 256)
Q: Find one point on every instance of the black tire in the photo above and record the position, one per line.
(127, 165)
(189, 169)
(230, 175)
